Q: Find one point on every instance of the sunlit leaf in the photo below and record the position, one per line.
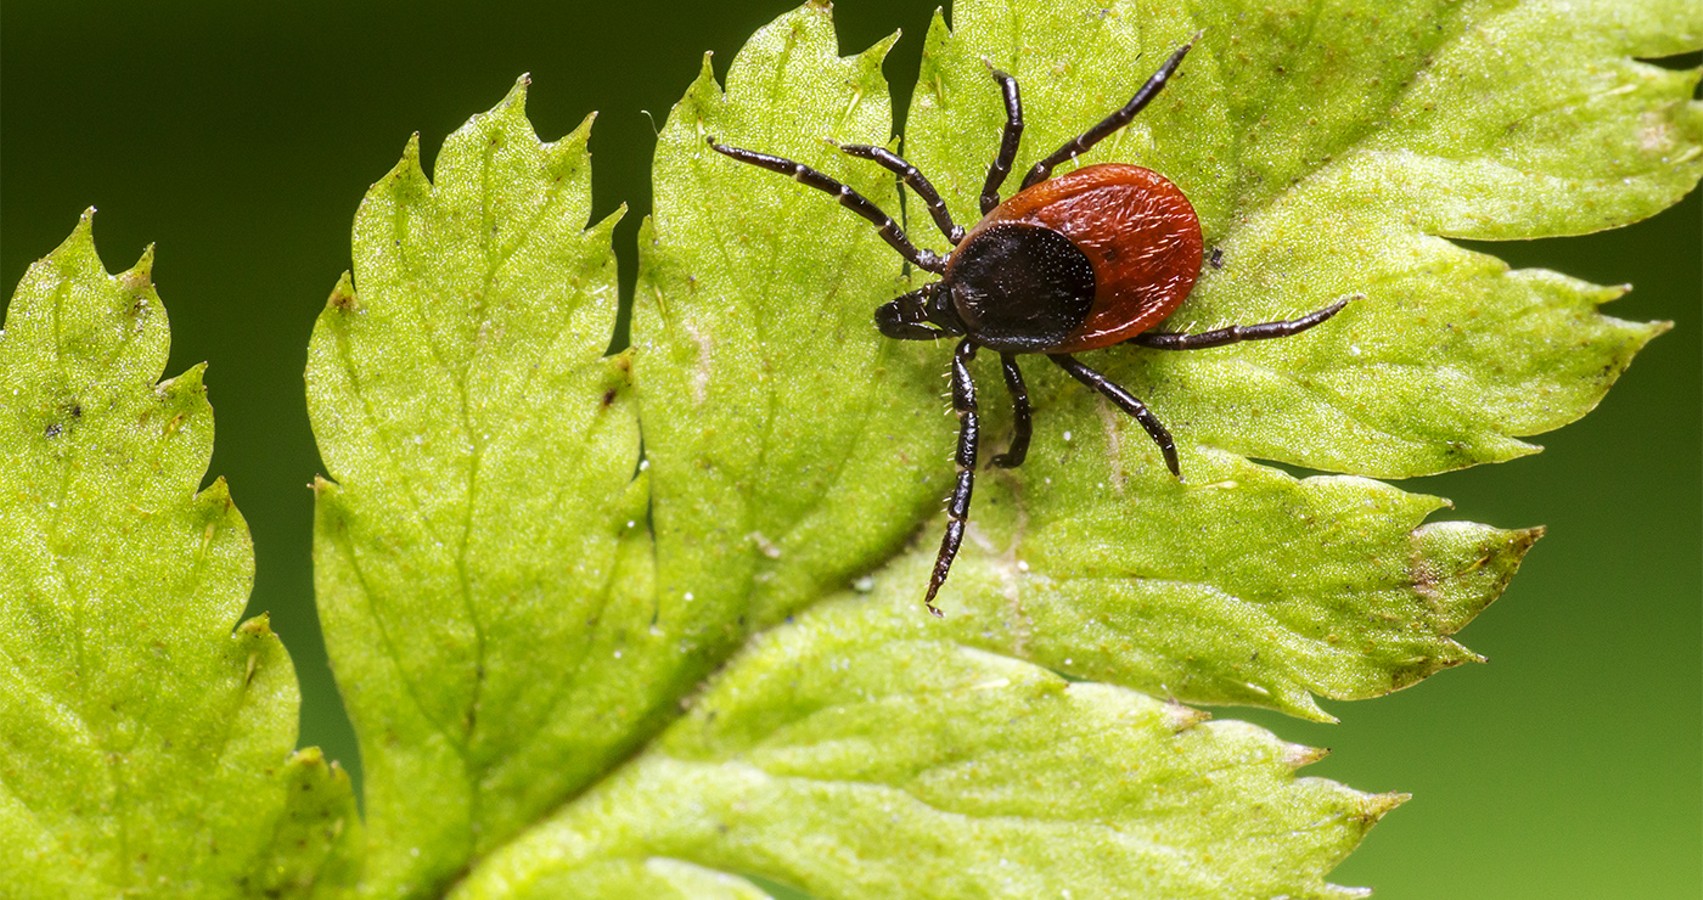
(574, 673)
(857, 753)
(480, 554)
(145, 747)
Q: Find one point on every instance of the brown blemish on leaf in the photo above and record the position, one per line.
(1376, 806)
(342, 297)
(259, 626)
(1180, 718)
(1297, 756)
(1431, 583)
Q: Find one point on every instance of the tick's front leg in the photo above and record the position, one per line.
(958, 506)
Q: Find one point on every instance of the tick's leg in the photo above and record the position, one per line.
(1126, 402)
(1008, 141)
(912, 176)
(1079, 145)
(958, 507)
(905, 317)
(850, 199)
(1235, 334)
(1013, 458)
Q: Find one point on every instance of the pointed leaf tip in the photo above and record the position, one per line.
(514, 102)
(81, 240)
(411, 152)
(258, 626)
(1376, 806)
(343, 298)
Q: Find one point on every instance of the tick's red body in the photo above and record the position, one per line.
(1141, 237)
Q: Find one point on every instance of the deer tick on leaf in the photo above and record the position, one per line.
(1079, 262)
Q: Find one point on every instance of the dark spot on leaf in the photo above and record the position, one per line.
(1217, 258)
(54, 430)
(609, 397)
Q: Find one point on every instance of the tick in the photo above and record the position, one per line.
(1089, 259)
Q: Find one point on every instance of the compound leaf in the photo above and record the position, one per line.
(856, 752)
(146, 747)
(573, 673)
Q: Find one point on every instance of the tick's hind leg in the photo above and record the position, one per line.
(1235, 334)
(1020, 418)
(1110, 124)
(958, 507)
(1126, 402)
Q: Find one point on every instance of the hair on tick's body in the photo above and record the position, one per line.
(1089, 259)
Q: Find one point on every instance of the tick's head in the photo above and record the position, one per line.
(921, 314)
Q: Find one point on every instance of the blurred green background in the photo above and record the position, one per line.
(240, 138)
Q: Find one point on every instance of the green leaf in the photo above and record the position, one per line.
(857, 753)
(1244, 586)
(776, 477)
(574, 673)
(479, 558)
(1327, 147)
(147, 748)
